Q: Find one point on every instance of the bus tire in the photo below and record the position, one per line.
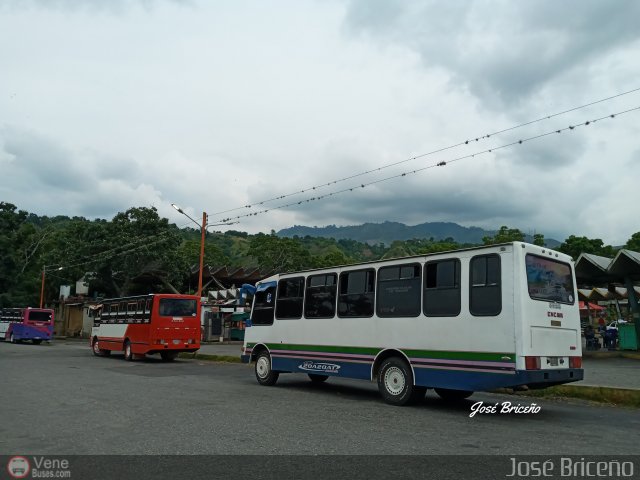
(264, 374)
(168, 356)
(36, 341)
(315, 378)
(395, 382)
(97, 351)
(128, 352)
(452, 395)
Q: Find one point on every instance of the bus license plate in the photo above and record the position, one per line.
(553, 361)
(177, 342)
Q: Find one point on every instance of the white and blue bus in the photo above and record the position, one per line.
(477, 319)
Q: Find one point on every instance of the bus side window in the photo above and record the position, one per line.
(442, 288)
(290, 298)
(485, 297)
(131, 310)
(140, 310)
(147, 310)
(113, 313)
(399, 291)
(356, 293)
(263, 306)
(320, 296)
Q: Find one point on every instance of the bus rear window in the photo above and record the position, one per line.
(40, 316)
(549, 280)
(177, 307)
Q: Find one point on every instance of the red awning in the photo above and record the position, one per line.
(592, 306)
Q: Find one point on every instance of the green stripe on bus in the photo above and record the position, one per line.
(441, 354)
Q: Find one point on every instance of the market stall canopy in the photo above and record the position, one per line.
(596, 269)
(592, 306)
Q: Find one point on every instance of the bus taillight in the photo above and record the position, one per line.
(575, 362)
(532, 363)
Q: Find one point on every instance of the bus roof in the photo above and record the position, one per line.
(565, 258)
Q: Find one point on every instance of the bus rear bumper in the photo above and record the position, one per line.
(536, 379)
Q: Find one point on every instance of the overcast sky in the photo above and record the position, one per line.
(109, 104)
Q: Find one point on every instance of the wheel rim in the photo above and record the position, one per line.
(127, 350)
(394, 380)
(11, 339)
(96, 347)
(262, 367)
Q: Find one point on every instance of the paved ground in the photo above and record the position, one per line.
(614, 372)
(60, 399)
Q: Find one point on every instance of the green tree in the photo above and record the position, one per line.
(574, 246)
(634, 242)
(279, 254)
(538, 239)
(504, 235)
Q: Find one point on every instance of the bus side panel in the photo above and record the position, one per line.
(22, 331)
(111, 336)
(332, 368)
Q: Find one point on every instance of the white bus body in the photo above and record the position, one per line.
(461, 321)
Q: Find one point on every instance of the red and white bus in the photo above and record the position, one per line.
(157, 323)
(17, 324)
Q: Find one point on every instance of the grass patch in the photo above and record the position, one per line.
(213, 358)
(611, 396)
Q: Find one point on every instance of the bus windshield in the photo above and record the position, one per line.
(39, 316)
(549, 280)
(177, 307)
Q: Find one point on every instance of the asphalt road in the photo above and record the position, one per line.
(61, 400)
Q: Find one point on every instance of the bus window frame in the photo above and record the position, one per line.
(473, 286)
(279, 298)
(400, 267)
(307, 295)
(457, 285)
(554, 260)
(366, 271)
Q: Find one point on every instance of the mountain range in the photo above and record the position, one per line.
(387, 232)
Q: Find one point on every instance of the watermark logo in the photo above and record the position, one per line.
(18, 467)
(502, 408)
(320, 367)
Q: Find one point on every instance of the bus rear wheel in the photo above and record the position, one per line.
(168, 356)
(128, 353)
(395, 383)
(315, 378)
(12, 339)
(264, 374)
(452, 395)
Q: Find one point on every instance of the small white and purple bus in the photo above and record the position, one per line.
(17, 324)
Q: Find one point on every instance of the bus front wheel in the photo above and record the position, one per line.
(395, 383)
(36, 342)
(264, 374)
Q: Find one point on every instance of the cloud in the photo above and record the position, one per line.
(111, 6)
(505, 51)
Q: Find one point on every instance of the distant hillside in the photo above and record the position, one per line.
(387, 232)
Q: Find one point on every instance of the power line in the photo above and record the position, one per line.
(439, 164)
(383, 167)
(98, 257)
